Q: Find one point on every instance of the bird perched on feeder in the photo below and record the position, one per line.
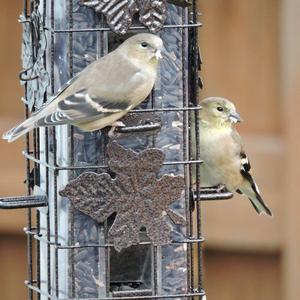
(225, 162)
(104, 91)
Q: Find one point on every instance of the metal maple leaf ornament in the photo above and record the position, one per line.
(138, 198)
(119, 13)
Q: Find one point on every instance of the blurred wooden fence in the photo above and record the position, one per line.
(250, 51)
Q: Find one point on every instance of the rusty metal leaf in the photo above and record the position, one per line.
(120, 13)
(136, 195)
(153, 13)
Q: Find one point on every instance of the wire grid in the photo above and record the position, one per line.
(46, 238)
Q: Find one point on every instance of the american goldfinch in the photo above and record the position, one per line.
(224, 161)
(104, 91)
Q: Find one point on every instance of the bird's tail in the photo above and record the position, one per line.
(252, 192)
(19, 130)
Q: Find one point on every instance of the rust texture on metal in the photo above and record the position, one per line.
(143, 123)
(135, 194)
(120, 13)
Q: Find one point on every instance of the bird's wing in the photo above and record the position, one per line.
(60, 91)
(82, 106)
(99, 91)
(245, 164)
(249, 187)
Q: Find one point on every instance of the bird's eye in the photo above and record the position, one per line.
(220, 108)
(144, 45)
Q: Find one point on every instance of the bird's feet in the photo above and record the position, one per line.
(116, 124)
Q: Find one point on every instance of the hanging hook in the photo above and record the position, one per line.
(22, 74)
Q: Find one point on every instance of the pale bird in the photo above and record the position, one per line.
(225, 162)
(104, 91)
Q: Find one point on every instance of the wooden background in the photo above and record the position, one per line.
(250, 51)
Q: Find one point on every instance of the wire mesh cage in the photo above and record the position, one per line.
(71, 254)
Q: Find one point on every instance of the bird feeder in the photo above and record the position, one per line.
(116, 217)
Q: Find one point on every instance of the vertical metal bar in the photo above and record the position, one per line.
(186, 149)
(48, 213)
(71, 23)
(156, 251)
(72, 254)
(55, 199)
(196, 95)
(155, 270)
(36, 178)
(47, 183)
(72, 227)
(29, 211)
(52, 49)
(72, 211)
(103, 253)
(29, 219)
(152, 99)
(193, 136)
(36, 170)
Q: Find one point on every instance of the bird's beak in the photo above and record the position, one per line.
(235, 117)
(158, 54)
(163, 53)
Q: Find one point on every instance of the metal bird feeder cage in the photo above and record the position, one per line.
(116, 218)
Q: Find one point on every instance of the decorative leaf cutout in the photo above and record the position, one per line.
(137, 197)
(119, 13)
(153, 13)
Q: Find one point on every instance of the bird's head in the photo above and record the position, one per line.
(144, 47)
(218, 112)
